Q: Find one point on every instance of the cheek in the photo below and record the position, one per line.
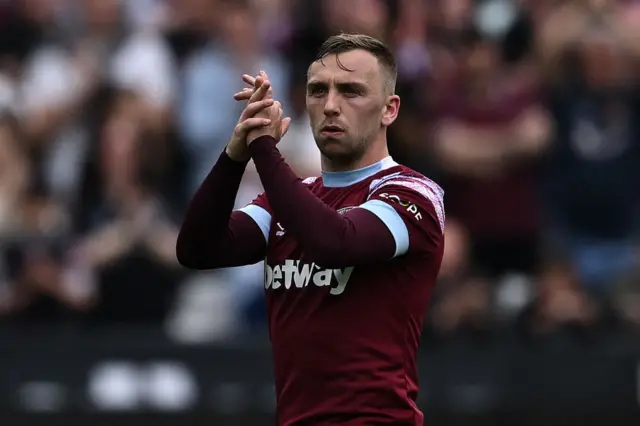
(315, 111)
(368, 118)
(367, 108)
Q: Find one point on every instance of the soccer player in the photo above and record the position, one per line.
(351, 257)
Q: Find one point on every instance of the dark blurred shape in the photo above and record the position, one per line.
(129, 247)
(490, 130)
(593, 171)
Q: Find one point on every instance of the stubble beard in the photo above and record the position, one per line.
(342, 159)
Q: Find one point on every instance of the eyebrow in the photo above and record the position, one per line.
(341, 85)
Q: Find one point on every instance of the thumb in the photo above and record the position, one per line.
(284, 127)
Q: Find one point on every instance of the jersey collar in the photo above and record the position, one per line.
(342, 179)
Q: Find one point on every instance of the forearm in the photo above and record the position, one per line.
(332, 239)
(466, 149)
(212, 235)
(531, 133)
(468, 156)
(162, 243)
(106, 245)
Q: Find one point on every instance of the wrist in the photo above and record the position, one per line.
(262, 141)
(260, 135)
(253, 136)
(237, 155)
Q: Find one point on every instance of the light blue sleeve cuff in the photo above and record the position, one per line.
(260, 216)
(390, 217)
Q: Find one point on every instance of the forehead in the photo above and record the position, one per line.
(356, 65)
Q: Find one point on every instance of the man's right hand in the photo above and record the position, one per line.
(253, 83)
(237, 148)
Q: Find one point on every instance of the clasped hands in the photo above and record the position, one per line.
(262, 116)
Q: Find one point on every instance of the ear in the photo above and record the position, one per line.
(390, 111)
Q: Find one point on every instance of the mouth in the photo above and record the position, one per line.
(332, 130)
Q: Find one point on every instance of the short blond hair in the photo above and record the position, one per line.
(345, 42)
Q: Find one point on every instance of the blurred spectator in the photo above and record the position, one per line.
(462, 302)
(31, 227)
(62, 68)
(594, 170)
(213, 74)
(559, 305)
(490, 131)
(133, 58)
(130, 249)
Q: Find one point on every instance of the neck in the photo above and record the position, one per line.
(351, 177)
(377, 151)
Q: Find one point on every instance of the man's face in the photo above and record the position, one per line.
(348, 107)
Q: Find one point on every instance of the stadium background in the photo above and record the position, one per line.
(526, 111)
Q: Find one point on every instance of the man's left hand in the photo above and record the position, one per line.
(279, 126)
(276, 129)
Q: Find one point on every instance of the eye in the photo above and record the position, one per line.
(317, 91)
(350, 91)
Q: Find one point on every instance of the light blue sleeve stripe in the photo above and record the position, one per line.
(260, 216)
(394, 222)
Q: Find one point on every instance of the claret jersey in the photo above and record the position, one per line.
(345, 340)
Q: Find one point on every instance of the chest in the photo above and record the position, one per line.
(290, 272)
(283, 245)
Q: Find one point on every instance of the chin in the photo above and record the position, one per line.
(339, 154)
(332, 146)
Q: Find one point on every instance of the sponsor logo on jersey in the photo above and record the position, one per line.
(422, 186)
(411, 208)
(293, 274)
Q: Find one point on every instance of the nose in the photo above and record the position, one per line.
(332, 105)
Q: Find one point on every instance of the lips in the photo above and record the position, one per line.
(332, 128)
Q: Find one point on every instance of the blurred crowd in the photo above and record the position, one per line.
(527, 112)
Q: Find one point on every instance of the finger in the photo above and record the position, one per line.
(251, 123)
(269, 94)
(251, 81)
(263, 75)
(255, 107)
(261, 92)
(278, 106)
(245, 95)
(244, 92)
(257, 82)
(284, 127)
(241, 97)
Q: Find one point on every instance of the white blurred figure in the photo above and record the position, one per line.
(170, 386)
(115, 386)
(89, 47)
(208, 112)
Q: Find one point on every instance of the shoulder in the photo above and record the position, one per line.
(408, 185)
(411, 180)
